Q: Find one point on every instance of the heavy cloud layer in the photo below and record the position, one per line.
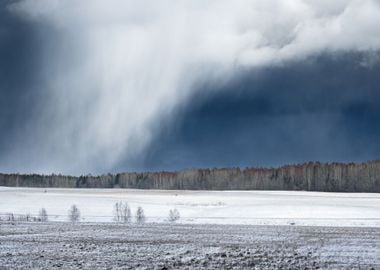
(324, 109)
(100, 77)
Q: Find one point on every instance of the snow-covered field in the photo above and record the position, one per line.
(349, 237)
(220, 207)
(57, 245)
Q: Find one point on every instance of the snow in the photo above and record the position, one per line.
(217, 207)
(39, 245)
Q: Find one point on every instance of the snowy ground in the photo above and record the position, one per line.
(348, 238)
(197, 207)
(58, 245)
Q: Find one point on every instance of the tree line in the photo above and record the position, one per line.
(312, 176)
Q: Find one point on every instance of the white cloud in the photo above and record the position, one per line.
(125, 64)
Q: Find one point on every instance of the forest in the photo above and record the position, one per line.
(312, 176)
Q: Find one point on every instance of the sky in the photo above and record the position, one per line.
(137, 85)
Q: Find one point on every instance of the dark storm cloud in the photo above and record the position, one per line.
(87, 87)
(326, 108)
(18, 75)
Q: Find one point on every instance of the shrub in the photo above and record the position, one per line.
(74, 214)
(42, 215)
(140, 216)
(174, 215)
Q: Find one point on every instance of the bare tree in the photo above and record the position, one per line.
(74, 214)
(117, 211)
(174, 215)
(126, 213)
(42, 215)
(140, 216)
(122, 212)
